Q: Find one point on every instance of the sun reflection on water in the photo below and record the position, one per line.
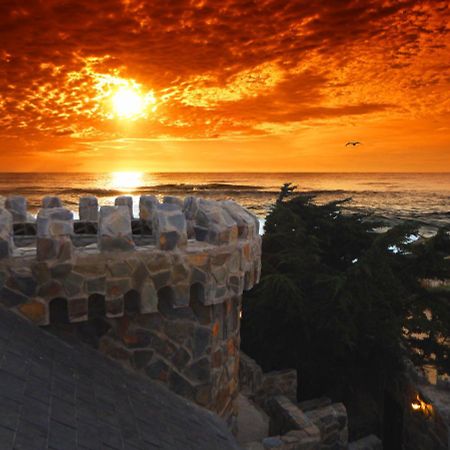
(126, 181)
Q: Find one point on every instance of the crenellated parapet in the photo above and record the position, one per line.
(199, 212)
(210, 244)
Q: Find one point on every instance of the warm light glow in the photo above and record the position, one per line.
(415, 405)
(419, 405)
(128, 103)
(126, 180)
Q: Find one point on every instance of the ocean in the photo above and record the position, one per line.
(422, 197)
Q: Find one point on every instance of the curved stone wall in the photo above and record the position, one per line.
(169, 309)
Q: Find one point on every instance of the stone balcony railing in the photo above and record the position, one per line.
(194, 247)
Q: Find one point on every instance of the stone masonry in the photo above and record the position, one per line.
(169, 309)
(316, 424)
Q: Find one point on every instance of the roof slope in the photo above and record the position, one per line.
(61, 396)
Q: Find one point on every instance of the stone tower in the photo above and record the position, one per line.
(160, 293)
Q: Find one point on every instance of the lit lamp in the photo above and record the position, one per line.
(419, 405)
(415, 405)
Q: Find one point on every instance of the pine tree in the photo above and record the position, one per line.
(339, 302)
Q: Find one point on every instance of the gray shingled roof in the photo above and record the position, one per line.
(61, 396)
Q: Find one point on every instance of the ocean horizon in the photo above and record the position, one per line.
(421, 197)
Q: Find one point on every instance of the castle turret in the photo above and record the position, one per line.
(166, 304)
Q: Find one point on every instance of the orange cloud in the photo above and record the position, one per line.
(229, 76)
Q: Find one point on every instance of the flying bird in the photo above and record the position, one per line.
(353, 143)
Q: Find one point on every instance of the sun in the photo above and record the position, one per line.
(128, 103)
(123, 98)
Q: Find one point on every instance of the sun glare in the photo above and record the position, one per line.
(123, 98)
(126, 180)
(127, 103)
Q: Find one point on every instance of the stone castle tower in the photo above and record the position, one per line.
(160, 293)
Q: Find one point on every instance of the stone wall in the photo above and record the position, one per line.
(315, 424)
(194, 349)
(291, 428)
(285, 417)
(261, 386)
(169, 309)
(250, 375)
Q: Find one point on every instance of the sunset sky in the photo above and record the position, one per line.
(224, 85)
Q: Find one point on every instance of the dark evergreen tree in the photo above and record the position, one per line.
(338, 301)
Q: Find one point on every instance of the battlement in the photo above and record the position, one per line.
(205, 248)
(202, 216)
